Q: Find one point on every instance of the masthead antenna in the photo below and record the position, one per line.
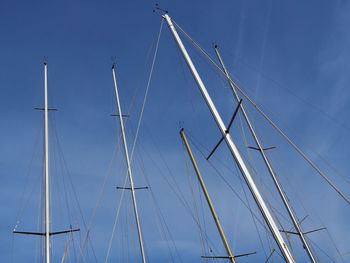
(157, 9)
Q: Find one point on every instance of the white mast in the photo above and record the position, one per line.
(47, 186)
(268, 164)
(132, 188)
(234, 151)
(46, 221)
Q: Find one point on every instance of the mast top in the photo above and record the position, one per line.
(113, 58)
(157, 8)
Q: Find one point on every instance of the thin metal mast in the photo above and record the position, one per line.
(234, 151)
(47, 186)
(206, 194)
(269, 167)
(132, 188)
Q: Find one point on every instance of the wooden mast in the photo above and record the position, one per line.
(207, 197)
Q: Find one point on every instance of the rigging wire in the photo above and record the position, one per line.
(177, 190)
(264, 115)
(53, 182)
(305, 196)
(99, 199)
(110, 166)
(179, 195)
(137, 131)
(309, 147)
(347, 253)
(65, 175)
(204, 228)
(116, 218)
(329, 257)
(339, 254)
(141, 116)
(263, 185)
(21, 206)
(132, 237)
(194, 206)
(73, 194)
(189, 93)
(181, 62)
(24, 204)
(196, 121)
(274, 211)
(326, 180)
(147, 88)
(289, 90)
(250, 161)
(245, 203)
(42, 208)
(253, 218)
(161, 223)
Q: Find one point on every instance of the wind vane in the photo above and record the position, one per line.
(157, 8)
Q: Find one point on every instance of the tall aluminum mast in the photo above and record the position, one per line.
(269, 167)
(234, 151)
(132, 188)
(46, 221)
(47, 186)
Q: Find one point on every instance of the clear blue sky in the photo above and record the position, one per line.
(291, 57)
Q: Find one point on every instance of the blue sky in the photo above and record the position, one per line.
(291, 57)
